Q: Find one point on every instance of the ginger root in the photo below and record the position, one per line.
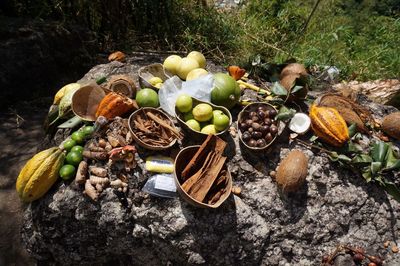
(103, 181)
(98, 155)
(91, 191)
(80, 177)
(98, 171)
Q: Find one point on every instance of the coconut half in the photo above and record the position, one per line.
(300, 123)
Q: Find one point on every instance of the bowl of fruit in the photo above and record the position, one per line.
(258, 128)
(152, 76)
(201, 118)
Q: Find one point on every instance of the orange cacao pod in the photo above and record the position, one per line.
(113, 105)
(329, 125)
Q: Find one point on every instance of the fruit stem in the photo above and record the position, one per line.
(253, 87)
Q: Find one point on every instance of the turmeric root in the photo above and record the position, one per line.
(80, 177)
(94, 180)
(95, 155)
(91, 191)
(98, 171)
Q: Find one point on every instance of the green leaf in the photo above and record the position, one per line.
(278, 89)
(367, 175)
(379, 150)
(354, 147)
(376, 167)
(333, 156)
(395, 165)
(390, 158)
(296, 89)
(392, 190)
(362, 158)
(344, 158)
(352, 130)
(285, 113)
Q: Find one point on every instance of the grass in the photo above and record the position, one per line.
(362, 43)
(360, 37)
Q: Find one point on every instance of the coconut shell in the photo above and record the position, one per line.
(86, 100)
(391, 125)
(122, 84)
(292, 171)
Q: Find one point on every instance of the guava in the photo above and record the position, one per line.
(226, 91)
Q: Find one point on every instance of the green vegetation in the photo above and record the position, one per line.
(361, 37)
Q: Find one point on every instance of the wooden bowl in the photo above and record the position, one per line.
(182, 159)
(253, 107)
(86, 100)
(197, 134)
(153, 70)
(138, 140)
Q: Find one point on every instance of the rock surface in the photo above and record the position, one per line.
(261, 227)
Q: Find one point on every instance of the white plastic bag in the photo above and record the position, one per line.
(199, 88)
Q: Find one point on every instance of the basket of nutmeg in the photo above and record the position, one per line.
(258, 128)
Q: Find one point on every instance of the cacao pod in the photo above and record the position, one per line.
(292, 171)
(114, 104)
(329, 125)
(39, 174)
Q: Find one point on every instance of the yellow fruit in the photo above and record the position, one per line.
(329, 125)
(64, 90)
(155, 80)
(199, 57)
(187, 65)
(172, 63)
(39, 174)
(193, 124)
(184, 103)
(196, 73)
(209, 129)
(202, 112)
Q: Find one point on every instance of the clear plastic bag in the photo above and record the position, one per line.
(199, 88)
(161, 185)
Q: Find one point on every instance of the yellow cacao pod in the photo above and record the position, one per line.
(39, 174)
(329, 125)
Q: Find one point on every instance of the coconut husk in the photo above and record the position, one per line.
(292, 171)
(391, 125)
(351, 112)
(292, 75)
(294, 68)
(122, 84)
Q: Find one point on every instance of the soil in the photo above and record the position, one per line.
(20, 133)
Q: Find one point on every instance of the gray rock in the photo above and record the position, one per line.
(261, 227)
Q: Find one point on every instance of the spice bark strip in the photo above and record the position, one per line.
(201, 187)
(194, 178)
(164, 124)
(211, 143)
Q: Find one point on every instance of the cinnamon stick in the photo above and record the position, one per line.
(212, 143)
(200, 189)
(162, 123)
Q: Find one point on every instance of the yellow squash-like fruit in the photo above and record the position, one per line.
(64, 90)
(39, 174)
(329, 125)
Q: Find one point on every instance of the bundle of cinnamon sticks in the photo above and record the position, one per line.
(154, 129)
(204, 178)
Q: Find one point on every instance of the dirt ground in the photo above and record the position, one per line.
(20, 133)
